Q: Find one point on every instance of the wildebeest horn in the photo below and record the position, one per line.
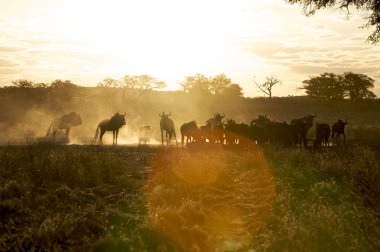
(223, 115)
(215, 115)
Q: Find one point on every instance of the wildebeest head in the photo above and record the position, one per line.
(118, 119)
(163, 115)
(218, 116)
(73, 119)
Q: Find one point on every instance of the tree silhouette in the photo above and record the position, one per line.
(108, 83)
(137, 85)
(332, 86)
(268, 85)
(198, 83)
(218, 84)
(62, 84)
(372, 7)
(326, 85)
(233, 90)
(21, 83)
(357, 86)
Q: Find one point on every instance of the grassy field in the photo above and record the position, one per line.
(120, 198)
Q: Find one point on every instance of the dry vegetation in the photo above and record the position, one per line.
(152, 199)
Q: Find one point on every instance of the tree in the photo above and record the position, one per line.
(62, 84)
(332, 86)
(218, 84)
(233, 90)
(326, 85)
(372, 7)
(268, 85)
(138, 85)
(196, 84)
(357, 86)
(108, 83)
(21, 83)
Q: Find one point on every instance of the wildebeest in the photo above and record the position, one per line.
(190, 131)
(301, 126)
(237, 133)
(144, 132)
(113, 124)
(281, 133)
(64, 123)
(215, 121)
(167, 125)
(216, 127)
(322, 135)
(337, 130)
(259, 132)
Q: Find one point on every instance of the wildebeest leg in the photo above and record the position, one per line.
(344, 138)
(162, 138)
(101, 135)
(183, 139)
(175, 137)
(113, 137)
(54, 133)
(68, 131)
(117, 133)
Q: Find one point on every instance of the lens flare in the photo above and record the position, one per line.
(213, 200)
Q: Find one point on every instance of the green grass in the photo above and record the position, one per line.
(149, 199)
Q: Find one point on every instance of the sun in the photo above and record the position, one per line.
(166, 39)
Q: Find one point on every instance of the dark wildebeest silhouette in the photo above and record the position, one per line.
(144, 132)
(281, 134)
(322, 135)
(337, 130)
(216, 126)
(301, 127)
(64, 123)
(167, 125)
(190, 131)
(258, 128)
(205, 133)
(237, 133)
(113, 124)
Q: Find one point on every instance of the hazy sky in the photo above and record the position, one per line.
(86, 41)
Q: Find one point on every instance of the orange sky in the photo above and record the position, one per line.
(86, 41)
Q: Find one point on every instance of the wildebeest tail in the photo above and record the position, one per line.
(48, 131)
(97, 132)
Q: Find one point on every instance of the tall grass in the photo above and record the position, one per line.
(52, 197)
(131, 199)
(320, 201)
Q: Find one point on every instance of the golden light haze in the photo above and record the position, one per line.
(87, 41)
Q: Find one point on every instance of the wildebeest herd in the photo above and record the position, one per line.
(261, 130)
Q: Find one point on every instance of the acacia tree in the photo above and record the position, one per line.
(198, 83)
(62, 84)
(137, 85)
(358, 85)
(372, 7)
(21, 83)
(267, 86)
(326, 85)
(332, 86)
(108, 83)
(218, 84)
(233, 90)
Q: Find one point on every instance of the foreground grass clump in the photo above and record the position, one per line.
(57, 197)
(319, 204)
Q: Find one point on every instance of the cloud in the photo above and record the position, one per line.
(6, 63)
